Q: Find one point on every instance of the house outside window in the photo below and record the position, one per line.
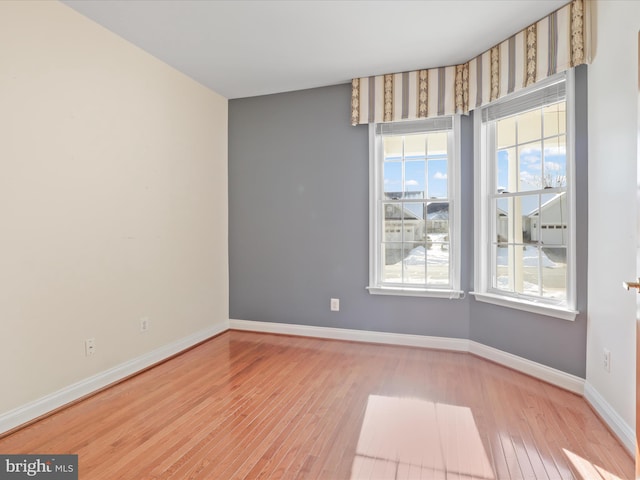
(414, 208)
(525, 217)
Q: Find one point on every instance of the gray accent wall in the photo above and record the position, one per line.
(299, 234)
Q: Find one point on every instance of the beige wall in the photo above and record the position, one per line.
(113, 201)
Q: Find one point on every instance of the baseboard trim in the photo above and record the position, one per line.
(534, 369)
(407, 340)
(42, 406)
(550, 375)
(616, 423)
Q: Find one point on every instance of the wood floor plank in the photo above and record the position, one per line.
(259, 406)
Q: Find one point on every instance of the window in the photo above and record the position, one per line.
(524, 197)
(414, 208)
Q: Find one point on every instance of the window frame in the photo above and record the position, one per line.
(376, 200)
(484, 171)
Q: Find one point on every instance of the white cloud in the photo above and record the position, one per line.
(440, 176)
(412, 183)
(552, 166)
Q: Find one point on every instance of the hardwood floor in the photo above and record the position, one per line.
(250, 405)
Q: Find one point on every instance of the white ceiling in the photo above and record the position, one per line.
(246, 48)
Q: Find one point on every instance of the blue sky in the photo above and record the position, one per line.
(419, 173)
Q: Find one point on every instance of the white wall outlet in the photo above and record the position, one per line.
(606, 360)
(90, 346)
(144, 324)
(335, 304)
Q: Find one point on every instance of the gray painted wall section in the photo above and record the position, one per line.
(299, 228)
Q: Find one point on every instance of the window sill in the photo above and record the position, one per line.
(416, 292)
(527, 306)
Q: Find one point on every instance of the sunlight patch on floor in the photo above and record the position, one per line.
(588, 470)
(412, 438)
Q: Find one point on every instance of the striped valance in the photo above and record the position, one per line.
(554, 44)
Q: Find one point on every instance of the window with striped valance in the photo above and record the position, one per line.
(554, 44)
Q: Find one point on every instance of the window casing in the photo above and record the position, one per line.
(414, 208)
(525, 207)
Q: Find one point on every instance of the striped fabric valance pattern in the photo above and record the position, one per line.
(552, 45)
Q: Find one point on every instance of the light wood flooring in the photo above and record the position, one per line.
(251, 405)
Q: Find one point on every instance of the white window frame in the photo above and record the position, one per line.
(376, 221)
(484, 219)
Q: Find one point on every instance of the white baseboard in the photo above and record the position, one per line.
(616, 423)
(537, 370)
(550, 375)
(441, 343)
(48, 403)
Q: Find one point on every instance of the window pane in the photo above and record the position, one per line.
(437, 145)
(504, 226)
(553, 221)
(392, 180)
(415, 146)
(392, 262)
(506, 177)
(554, 273)
(555, 162)
(438, 263)
(392, 222)
(392, 147)
(438, 183)
(528, 205)
(554, 118)
(414, 263)
(414, 225)
(527, 270)
(438, 221)
(530, 165)
(506, 132)
(414, 184)
(530, 126)
(503, 265)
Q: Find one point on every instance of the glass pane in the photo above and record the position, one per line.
(438, 184)
(530, 165)
(503, 224)
(554, 273)
(554, 118)
(414, 224)
(414, 173)
(506, 178)
(528, 205)
(392, 262)
(553, 221)
(438, 264)
(414, 263)
(392, 147)
(437, 145)
(503, 262)
(506, 132)
(438, 221)
(415, 146)
(392, 222)
(555, 162)
(530, 126)
(392, 180)
(527, 270)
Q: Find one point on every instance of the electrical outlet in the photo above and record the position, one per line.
(89, 346)
(606, 360)
(144, 324)
(335, 304)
